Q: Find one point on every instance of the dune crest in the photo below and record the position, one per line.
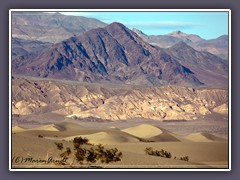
(50, 127)
(143, 131)
(68, 126)
(63, 126)
(107, 138)
(16, 129)
(152, 133)
(203, 137)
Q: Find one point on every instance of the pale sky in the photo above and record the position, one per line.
(208, 25)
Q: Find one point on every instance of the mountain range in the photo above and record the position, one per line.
(218, 46)
(112, 54)
(50, 27)
(56, 27)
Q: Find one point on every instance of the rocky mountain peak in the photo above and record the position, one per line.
(181, 46)
(139, 32)
(114, 53)
(177, 33)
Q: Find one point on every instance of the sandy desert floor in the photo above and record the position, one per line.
(204, 149)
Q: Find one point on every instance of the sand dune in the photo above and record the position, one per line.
(16, 129)
(111, 136)
(50, 127)
(210, 152)
(67, 126)
(152, 133)
(143, 131)
(63, 126)
(203, 137)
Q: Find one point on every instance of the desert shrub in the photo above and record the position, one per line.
(112, 155)
(149, 150)
(145, 140)
(100, 149)
(59, 145)
(90, 155)
(80, 154)
(40, 136)
(78, 141)
(64, 156)
(108, 155)
(68, 150)
(99, 153)
(66, 153)
(184, 158)
(161, 153)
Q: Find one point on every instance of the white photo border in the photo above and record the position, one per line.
(119, 10)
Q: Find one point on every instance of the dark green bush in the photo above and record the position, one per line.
(90, 155)
(80, 154)
(66, 153)
(161, 153)
(59, 145)
(40, 136)
(78, 141)
(185, 158)
(108, 155)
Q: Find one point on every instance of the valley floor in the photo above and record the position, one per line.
(203, 149)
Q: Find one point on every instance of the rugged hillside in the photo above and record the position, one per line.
(112, 54)
(21, 47)
(210, 69)
(50, 27)
(72, 99)
(218, 46)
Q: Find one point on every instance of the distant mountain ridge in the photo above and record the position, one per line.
(186, 37)
(22, 47)
(56, 27)
(218, 46)
(207, 67)
(117, 54)
(50, 27)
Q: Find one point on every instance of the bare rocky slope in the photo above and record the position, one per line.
(24, 48)
(77, 100)
(209, 68)
(50, 27)
(118, 55)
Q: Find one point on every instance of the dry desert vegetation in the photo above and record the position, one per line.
(203, 149)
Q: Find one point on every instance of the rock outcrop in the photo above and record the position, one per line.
(76, 100)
